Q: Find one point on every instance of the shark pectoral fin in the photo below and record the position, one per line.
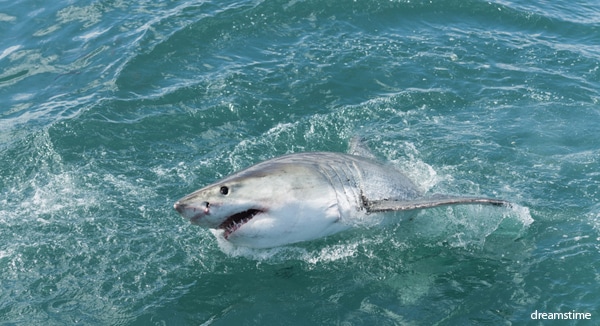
(395, 205)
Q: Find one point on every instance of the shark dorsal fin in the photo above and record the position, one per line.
(359, 147)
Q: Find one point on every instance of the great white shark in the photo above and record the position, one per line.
(305, 196)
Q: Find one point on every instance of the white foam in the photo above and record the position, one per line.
(9, 50)
(523, 214)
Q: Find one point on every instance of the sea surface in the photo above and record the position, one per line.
(110, 111)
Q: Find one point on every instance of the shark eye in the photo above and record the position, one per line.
(224, 190)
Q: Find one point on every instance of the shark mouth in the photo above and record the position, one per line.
(235, 221)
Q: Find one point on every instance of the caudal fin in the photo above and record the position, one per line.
(436, 201)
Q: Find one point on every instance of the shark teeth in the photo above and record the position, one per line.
(235, 221)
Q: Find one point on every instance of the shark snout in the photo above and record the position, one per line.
(183, 209)
(179, 207)
(192, 212)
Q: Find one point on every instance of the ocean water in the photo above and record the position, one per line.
(110, 111)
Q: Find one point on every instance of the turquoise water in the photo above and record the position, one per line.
(111, 111)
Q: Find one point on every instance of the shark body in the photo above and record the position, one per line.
(305, 196)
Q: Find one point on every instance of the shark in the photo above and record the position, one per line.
(306, 196)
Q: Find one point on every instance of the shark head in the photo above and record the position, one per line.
(267, 205)
(225, 205)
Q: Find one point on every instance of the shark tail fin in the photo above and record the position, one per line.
(435, 201)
